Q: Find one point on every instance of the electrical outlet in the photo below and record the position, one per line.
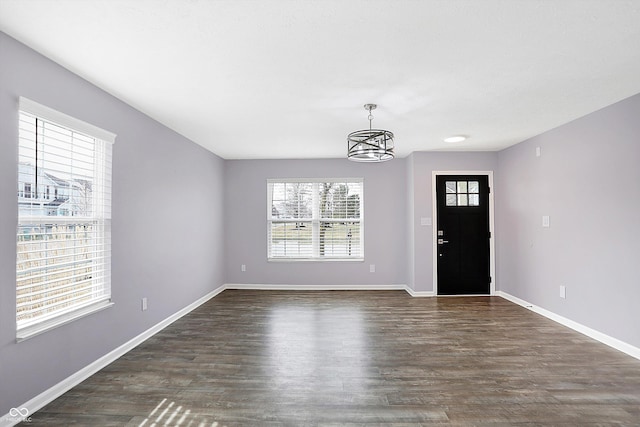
(144, 304)
(545, 221)
(243, 267)
(372, 268)
(563, 291)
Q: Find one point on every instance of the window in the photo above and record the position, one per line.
(315, 219)
(27, 190)
(63, 244)
(462, 193)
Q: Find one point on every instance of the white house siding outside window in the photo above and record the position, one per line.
(315, 219)
(63, 267)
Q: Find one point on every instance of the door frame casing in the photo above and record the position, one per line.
(492, 249)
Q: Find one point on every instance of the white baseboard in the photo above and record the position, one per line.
(282, 287)
(398, 287)
(419, 293)
(68, 383)
(592, 333)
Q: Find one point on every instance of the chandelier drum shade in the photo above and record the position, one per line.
(370, 145)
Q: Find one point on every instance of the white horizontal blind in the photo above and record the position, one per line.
(315, 219)
(64, 219)
(291, 226)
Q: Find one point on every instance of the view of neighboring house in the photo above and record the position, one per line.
(41, 193)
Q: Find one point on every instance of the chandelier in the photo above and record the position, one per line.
(370, 145)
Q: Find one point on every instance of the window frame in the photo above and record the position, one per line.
(315, 221)
(102, 219)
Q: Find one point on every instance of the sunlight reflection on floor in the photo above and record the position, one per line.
(172, 415)
(317, 343)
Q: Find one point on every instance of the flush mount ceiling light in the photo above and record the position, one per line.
(370, 145)
(456, 138)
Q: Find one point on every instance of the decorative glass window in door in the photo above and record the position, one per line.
(462, 193)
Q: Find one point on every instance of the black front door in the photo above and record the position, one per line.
(463, 234)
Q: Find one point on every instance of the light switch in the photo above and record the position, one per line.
(538, 152)
(425, 221)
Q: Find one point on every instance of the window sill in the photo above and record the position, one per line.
(315, 259)
(41, 327)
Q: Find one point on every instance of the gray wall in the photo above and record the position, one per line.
(421, 167)
(397, 195)
(246, 223)
(587, 180)
(410, 223)
(167, 227)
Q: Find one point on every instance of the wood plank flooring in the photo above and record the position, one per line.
(315, 358)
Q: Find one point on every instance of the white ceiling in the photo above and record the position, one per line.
(288, 79)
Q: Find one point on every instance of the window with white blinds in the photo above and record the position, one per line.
(64, 219)
(315, 219)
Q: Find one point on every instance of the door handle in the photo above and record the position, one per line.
(442, 241)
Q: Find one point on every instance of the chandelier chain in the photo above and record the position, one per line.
(370, 117)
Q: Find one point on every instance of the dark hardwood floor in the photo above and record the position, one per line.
(272, 358)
